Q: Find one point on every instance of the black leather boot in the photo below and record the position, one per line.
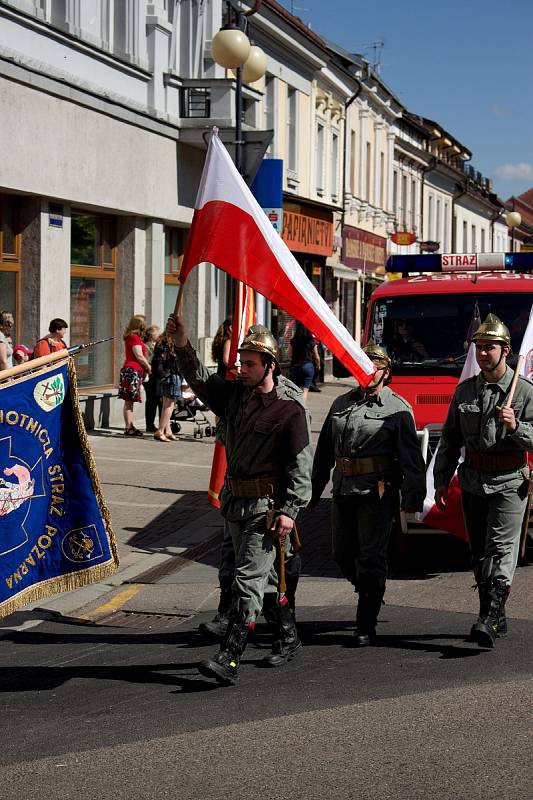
(217, 627)
(491, 621)
(224, 666)
(368, 608)
(286, 640)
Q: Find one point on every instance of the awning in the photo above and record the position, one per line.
(347, 274)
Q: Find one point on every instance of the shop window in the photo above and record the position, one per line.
(92, 296)
(175, 240)
(9, 256)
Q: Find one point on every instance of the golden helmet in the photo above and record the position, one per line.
(492, 330)
(261, 340)
(378, 355)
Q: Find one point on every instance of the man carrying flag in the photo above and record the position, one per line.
(491, 416)
(268, 480)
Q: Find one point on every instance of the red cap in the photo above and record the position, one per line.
(23, 349)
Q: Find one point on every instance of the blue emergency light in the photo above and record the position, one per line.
(460, 262)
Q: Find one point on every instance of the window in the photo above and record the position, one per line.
(380, 202)
(395, 194)
(334, 165)
(465, 237)
(430, 217)
(474, 239)
(483, 242)
(445, 237)
(9, 256)
(368, 193)
(438, 222)
(319, 159)
(404, 201)
(175, 240)
(291, 129)
(269, 107)
(413, 206)
(92, 295)
(353, 163)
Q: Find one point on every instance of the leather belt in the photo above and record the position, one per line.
(363, 466)
(253, 487)
(495, 462)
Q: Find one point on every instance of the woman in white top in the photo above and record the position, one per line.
(6, 345)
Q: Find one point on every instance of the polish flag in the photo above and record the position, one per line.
(525, 355)
(231, 230)
(243, 317)
(452, 519)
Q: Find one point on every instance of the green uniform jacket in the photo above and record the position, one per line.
(265, 435)
(358, 427)
(472, 422)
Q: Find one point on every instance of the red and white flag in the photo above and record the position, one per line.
(231, 230)
(526, 350)
(243, 317)
(452, 519)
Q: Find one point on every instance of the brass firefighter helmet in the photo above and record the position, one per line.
(492, 330)
(261, 340)
(378, 355)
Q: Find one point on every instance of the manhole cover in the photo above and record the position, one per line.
(142, 621)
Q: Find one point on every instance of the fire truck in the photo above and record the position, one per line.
(424, 319)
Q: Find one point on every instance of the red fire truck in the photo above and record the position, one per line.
(424, 321)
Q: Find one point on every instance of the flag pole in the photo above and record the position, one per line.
(519, 362)
(180, 299)
(35, 363)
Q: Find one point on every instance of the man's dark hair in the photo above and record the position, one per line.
(56, 325)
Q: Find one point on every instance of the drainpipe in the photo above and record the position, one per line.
(347, 105)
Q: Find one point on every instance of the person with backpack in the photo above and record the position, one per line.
(54, 341)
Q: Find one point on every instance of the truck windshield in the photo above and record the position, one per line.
(431, 331)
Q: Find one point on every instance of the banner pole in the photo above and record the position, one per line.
(28, 366)
(516, 375)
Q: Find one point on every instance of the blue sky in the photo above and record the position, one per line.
(467, 65)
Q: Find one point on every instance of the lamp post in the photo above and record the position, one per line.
(513, 219)
(231, 49)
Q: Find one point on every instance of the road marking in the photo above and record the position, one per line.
(141, 461)
(137, 505)
(115, 603)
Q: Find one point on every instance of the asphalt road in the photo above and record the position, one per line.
(94, 711)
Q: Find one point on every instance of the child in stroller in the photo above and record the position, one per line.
(189, 408)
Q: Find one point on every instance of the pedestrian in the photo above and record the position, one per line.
(152, 403)
(7, 322)
(221, 346)
(135, 366)
(305, 361)
(369, 438)
(21, 354)
(494, 475)
(169, 385)
(54, 341)
(269, 454)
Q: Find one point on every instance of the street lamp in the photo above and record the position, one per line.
(231, 49)
(513, 219)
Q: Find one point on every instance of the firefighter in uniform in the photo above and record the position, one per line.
(268, 480)
(494, 475)
(369, 438)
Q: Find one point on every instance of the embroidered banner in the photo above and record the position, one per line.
(55, 529)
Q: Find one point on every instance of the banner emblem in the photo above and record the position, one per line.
(50, 392)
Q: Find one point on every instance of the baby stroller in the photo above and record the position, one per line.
(190, 409)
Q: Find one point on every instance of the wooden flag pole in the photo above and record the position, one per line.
(33, 364)
(180, 299)
(517, 371)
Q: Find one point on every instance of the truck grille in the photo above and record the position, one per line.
(433, 399)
